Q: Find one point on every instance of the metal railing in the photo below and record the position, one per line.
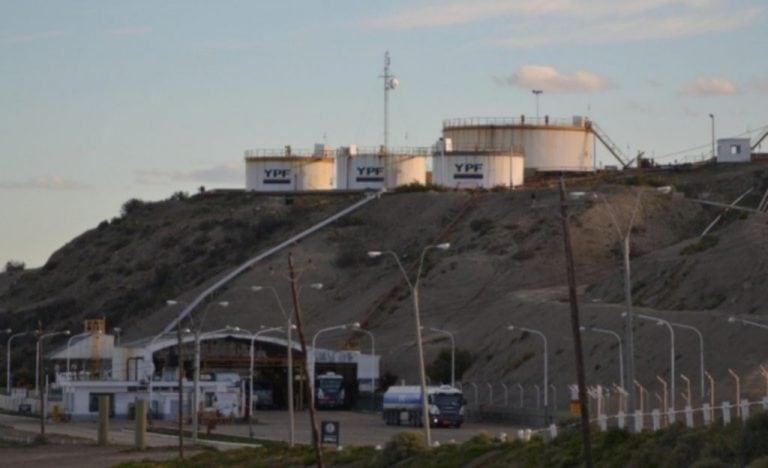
(508, 121)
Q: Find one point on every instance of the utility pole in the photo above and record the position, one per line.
(181, 390)
(41, 373)
(311, 385)
(576, 330)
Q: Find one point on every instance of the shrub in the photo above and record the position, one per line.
(12, 266)
(401, 446)
(753, 440)
(134, 205)
(481, 225)
(704, 243)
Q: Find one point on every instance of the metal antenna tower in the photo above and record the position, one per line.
(390, 83)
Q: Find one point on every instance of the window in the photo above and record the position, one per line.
(735, 149)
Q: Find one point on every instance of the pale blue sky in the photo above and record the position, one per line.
(103, 101)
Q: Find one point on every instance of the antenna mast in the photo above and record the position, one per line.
(390, 83)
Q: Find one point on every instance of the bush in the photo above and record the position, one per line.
(439, 370)
(401, 446)
(12, 266)
(753, 440)
(134, 205)
(704, 243)
(481, 225)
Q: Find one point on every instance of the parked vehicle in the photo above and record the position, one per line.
(329, 391)
(446, 405)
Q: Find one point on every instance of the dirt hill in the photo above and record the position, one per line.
(505, 267)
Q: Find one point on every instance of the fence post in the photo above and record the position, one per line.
(103, 419)
(656, 418)
(671, 416)
(688, 416)
(621, 419)
(141, 424)
(744, 409)
(706, 411)
(726, 412)
(639, 421)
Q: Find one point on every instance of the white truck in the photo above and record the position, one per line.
(403, 402)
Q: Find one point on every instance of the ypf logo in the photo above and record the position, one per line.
(468, 171)
(370, 174)
(277, 176)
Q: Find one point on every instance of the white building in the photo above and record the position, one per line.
(734, 150)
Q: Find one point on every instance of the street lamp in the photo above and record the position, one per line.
(453, 352)
(701, 353)
(289, 354)
(8, 382)
(39, 355)
(196, 378)
(38, 369)
(712, 117)
(252, 336)
(414, 287)
(742, 321)
(621, 348)
(311, 367)
(357, 327)
(546, 358)
(537, 93)
(672, 379)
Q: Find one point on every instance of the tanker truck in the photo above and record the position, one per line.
(403, 402)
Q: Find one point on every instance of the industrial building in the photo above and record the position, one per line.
(471, 169)
(548, 145)
(289, 170)
(360, 169)
(92, 364)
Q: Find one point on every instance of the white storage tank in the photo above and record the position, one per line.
(374, 168)
(476, 169)
(548, 145)
(289, 170)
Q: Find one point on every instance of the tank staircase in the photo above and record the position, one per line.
(391, 292)
(612, 147)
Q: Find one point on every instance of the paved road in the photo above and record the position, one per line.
(355, 428)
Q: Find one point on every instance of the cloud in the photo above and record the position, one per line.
(579, 21)
(223, 173)
(45, 183)
(710, 86)
(549, 79)
(30, 37)
(130, 31)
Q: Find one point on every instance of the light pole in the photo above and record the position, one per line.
(621, 349)
(8, 381)
(38, 369)
(311, 369)
(701, 354)
(252, 336)
(289, 355)
(414, 287)
(742, 321)
(672, 378)
(196, 378)
(373, 358)
(712, 118)
(453, 352)
(546, 358)
(39, 355)
(537, 93)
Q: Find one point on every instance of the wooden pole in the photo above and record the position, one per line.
(300, 330)
(575, 330)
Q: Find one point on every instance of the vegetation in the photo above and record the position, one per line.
(12, 266)
(704, 243)
(439, 370)
(735, 444)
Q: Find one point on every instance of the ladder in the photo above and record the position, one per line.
(612, 147)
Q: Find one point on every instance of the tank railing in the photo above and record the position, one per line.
(392, 151)
(285, 152)
(468, 148)
(522, 120)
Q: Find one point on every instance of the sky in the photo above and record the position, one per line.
(102, 101)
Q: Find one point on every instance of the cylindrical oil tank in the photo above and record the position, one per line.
(547, 144)
(269, 171)
(479, 169)
(376, 168)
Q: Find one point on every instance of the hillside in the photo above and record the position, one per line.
(505, 266)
